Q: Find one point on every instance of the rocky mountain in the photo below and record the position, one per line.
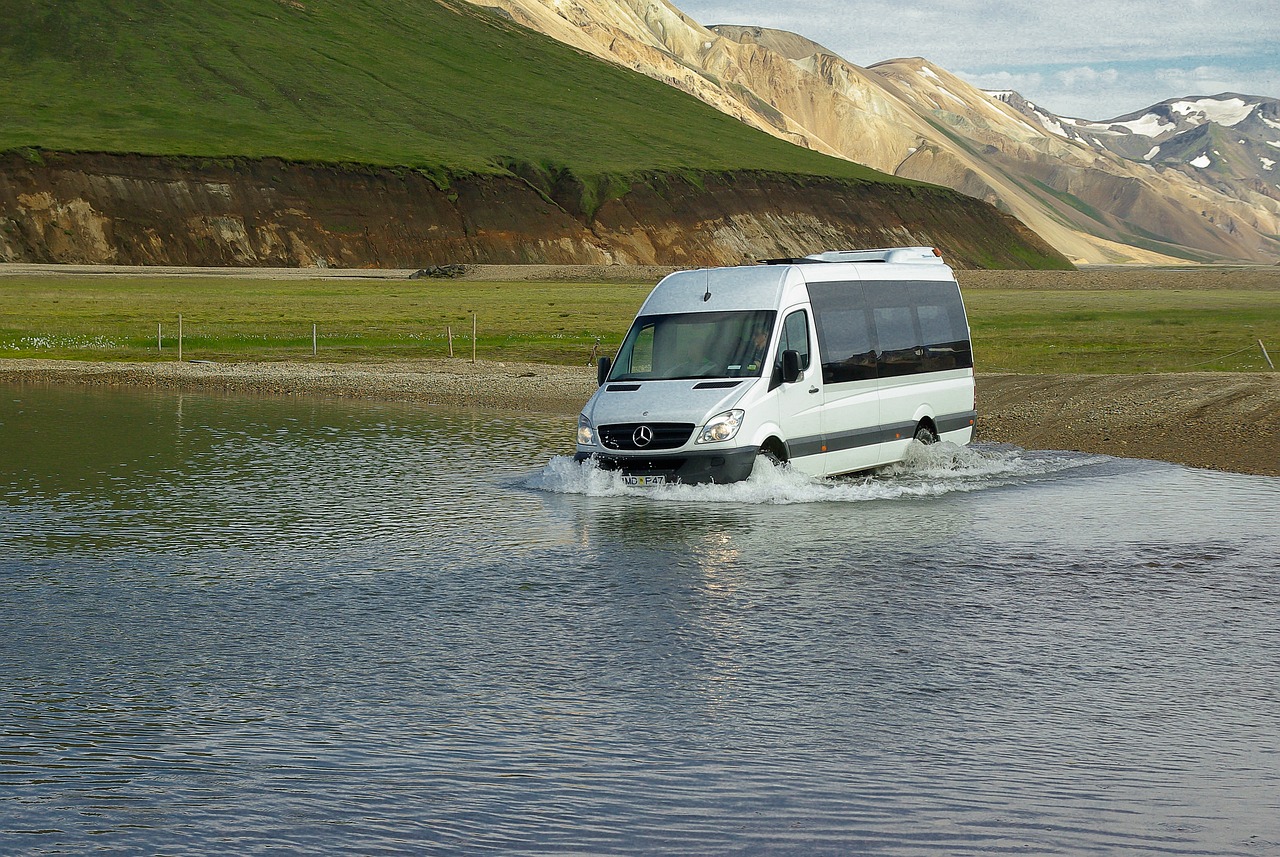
(1228, 141)
(1093, 202)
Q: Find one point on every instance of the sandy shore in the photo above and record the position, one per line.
(1219, 420)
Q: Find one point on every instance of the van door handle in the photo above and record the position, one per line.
(813, 389)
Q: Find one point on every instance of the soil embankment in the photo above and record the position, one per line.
(1219, 420)
(137, 210)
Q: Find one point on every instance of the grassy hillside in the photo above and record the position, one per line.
(413, 83)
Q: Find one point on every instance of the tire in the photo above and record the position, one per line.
(925, 434)
(769, 455)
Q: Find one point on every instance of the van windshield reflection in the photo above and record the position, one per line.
(695, 345)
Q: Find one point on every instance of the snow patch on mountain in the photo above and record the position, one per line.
(1147, 125)
(1228, 112)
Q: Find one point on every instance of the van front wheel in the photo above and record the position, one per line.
(770, 454)
(925, 434)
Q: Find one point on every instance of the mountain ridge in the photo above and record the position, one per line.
(911, 119)
(1181, 133)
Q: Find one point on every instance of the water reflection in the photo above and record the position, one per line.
(236, 624)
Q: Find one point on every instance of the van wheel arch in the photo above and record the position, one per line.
(774, 450)
(926, 432)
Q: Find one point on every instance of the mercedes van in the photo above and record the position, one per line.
(833, 363)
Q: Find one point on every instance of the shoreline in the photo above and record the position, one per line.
(1216, 420)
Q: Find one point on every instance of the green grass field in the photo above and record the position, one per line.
(1142, 330)
(241, 319)
(404, 83)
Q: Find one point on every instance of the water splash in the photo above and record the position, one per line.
(926, 471)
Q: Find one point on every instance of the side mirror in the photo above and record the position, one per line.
(790, 367)
(602, 370)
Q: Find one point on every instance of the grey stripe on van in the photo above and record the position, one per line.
(814, 445)
(952, 422)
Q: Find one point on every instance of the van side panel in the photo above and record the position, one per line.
(846, 345)
(924, 359)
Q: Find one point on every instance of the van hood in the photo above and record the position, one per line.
(682, 401)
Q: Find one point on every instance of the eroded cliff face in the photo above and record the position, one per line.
(135, 210)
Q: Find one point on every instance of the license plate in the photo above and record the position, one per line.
(643, 481)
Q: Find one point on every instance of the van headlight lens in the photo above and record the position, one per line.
(721, 427)
(586, 434)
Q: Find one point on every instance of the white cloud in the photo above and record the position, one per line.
(1021, 82)
(1201, 80)
(1086, 78)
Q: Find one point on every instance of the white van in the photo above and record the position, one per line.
(833, 362)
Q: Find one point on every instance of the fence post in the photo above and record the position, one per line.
(473, 338)
(179, 337)
(1266, 356)
(448, 334)
(314, 345)
(159, 336)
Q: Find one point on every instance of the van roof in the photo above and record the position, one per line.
(910, 255)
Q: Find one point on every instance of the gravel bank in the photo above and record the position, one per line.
(1224, 421)
(455, 383)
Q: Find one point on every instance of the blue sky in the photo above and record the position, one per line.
(1090, 59)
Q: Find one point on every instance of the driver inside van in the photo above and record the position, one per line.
(757, 348)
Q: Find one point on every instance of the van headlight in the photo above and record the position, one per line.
(586, 434)
(721, 427)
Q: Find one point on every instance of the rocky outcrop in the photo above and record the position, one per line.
(136, 210)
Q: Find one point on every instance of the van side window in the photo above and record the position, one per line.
(920, 326)
(843, 326)
(795, 336)
(642, 351)
(944, 333)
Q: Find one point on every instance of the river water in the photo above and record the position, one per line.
(242, 625)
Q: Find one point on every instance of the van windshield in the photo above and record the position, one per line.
(695, 345)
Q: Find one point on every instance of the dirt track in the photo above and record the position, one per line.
(1225, 421)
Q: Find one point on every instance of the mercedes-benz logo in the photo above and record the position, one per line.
(642, 436)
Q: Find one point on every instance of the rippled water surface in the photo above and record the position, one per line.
(233, 625)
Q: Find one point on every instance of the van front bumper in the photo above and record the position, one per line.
(689, 468)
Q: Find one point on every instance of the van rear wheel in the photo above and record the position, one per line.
(925, 434)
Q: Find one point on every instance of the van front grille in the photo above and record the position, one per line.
(646, 436)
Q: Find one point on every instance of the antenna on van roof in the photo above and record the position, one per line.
(707, 295)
